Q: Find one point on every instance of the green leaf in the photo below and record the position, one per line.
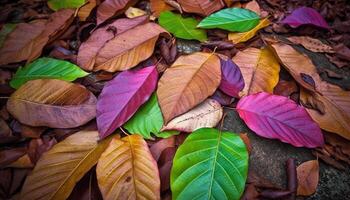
(185, 28)
(231, 19)
(148, 119)
(47, 68)
(59, 4)
(5, 30)
(209, 165)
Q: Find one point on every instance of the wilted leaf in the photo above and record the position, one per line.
(132, 12)
(260, 70)
(245, 36)
(122, 96)
(185, 28)
(336, 101)
(47, 68)
(56, 173)
(311, 44)
(188, 82)
(148, 119)
(158, 6)
(305, 15)
(278, 117)
(207, 114)
(121, 53)
(231, 19)
(89, 49)
(86, 9)
(231, 78)
(127, 170)
(59, 4)
(5, 30)
(308, 175)
(203, 7)
(210, 164)
(109, 8)
(53, 103)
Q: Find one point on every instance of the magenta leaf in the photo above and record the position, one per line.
(231, 78)
(122, 96)
(277, 117)
(305, 15)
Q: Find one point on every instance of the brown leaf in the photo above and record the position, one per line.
(275, 194)
(342, 51)
(158, 6)
(245, 138)
(110, 8)
(310, 101)
(329, 160)
(253, 6)
(53, 103)
(204, 7)
(157, 148)
(31, 132)
(292, 183)
(39, 146)
(89, 49)
(285, 88)
(10, 155)
(86, 9)
(5, 130)
(311, 44)
(308, 176)
(164, 164)
(121, 53)
(22, 162)
(189, 81)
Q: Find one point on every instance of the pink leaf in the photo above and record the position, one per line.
(305, 15)
(122, 96)
(278, 117)
(231, 78)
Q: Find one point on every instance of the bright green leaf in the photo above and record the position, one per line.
(5, 30)
(59, 4)
(185, 28)
(148, 119)
(231, 19)
(209, 165)
(47, 68)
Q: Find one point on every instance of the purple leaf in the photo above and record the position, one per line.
(278, 117)
(122, 96)
(305, 15)
(222, 98)
(231, 78)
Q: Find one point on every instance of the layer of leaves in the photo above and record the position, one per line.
(245, 36)
(60, 4)
(260, 69)
(127, 170)
(185, 28)
(278, 117)
(231, 19)
(58, 170)
(210, 164)
(110, 8)
(207, 114)
(53, 103)
(47, 68)
(305, 16)
(188, 82)
(148, 119)
(130, 89)
(231, 78)
(308, 176)
(203, 7)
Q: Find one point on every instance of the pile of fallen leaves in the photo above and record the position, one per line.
(125, 99)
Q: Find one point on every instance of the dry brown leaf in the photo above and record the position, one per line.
(189, 81)
(253, 6)
(207, 114)
(308, 176)
(53, 103)
(127, 170)
(311, 44)
(121, 53)
(86, 9)
(89, 49)
(203, 7)
(22, 162)
(260, 70)
(158, 6)
(335, 100)
(110, 8)
(59, 169)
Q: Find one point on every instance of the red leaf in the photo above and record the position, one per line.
(122, 96)
(232, 80)
(278, 117)
(303, 16)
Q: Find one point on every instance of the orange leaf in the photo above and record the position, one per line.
(189, 81)
(308, 176)
(86, 9)
(158, 6)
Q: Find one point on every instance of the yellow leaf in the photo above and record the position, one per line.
(260, 70)
(132, 12)
(127, 170)
(245, 36)
(59, 169)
